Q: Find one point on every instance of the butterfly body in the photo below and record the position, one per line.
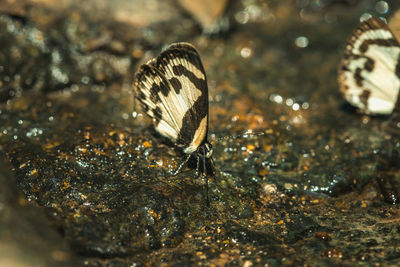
(172, 89)
(369, 73)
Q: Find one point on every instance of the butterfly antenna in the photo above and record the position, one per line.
(244, 135)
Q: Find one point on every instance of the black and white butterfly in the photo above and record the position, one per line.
(173, 91)
(369, 73)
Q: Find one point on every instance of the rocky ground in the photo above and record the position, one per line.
(85, 179)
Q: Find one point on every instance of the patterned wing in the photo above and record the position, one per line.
(173, 91)
(370, 70)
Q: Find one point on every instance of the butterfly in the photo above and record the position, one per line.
(369, 73)
(172, 89)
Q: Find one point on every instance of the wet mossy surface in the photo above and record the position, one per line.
(315, 182)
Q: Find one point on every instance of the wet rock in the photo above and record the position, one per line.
(247, 236)
(47, 52)
(290, 162)
(68, 46)
(27, 237)
(209, 14)
(112, 200)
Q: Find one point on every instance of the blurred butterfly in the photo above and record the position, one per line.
(172, 89)
(369, 73)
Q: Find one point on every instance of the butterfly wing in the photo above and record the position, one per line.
(369, 73)
(152, 90)
(173, 91)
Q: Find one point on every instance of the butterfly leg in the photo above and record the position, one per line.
(206, 177)
(134, 102)
(181, 165)
(198, 166)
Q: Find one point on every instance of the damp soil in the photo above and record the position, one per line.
(301, 178)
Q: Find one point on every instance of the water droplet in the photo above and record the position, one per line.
(289, 102)
(242, 17)
(276, 98)
(305, 105)
(301, 42)
(246, 52)
(85, 80)
(74, 88)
